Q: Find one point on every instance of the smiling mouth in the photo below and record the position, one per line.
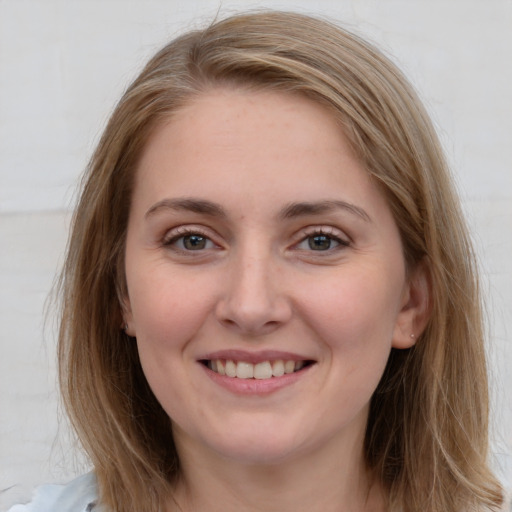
(262, 370)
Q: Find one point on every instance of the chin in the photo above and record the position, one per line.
(258, 454)
(259, 446)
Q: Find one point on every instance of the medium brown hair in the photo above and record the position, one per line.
(426, 436)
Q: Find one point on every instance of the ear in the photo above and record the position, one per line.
(415, 308)
(128, 324)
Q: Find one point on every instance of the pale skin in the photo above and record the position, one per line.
(255, 234)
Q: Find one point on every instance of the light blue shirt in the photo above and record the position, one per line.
(80, 495)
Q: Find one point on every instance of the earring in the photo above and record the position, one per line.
(413, 336)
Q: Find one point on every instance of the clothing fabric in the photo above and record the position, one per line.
(80, 495)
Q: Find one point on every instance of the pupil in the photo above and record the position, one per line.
(194, 242)
(319, 243)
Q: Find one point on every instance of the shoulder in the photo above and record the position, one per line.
(80, 495)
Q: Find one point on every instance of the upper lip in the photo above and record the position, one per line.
(253, 357)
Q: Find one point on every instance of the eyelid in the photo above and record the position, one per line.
(341, 240)
(174, 234)
(331, 231)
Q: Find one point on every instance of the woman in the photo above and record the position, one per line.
(270, 300)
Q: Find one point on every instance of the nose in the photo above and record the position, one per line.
(254, 300)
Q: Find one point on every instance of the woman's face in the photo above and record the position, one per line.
(266, 281)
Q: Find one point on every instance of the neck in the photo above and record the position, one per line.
(323, 480)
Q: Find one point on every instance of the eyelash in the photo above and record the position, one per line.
(171, 239)
(328, 232)
(182, 232)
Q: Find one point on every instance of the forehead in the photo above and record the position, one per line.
(233, 121)
(235, 142)
(238, 115)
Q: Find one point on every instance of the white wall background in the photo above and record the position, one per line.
(63, 64)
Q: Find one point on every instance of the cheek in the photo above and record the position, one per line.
(167, 307)
(165, 323)
(355, 313)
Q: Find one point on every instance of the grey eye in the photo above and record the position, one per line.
(320, 242)
(194, 242)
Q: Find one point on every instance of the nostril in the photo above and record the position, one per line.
(253, 305)
(248, 324)
(228, 323)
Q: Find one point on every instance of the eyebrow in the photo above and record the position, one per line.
(321, 207)
(201, 206)
(292, 210)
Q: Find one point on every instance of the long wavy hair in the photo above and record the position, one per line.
(427, 431)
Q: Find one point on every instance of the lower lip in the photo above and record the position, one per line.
(256, 386)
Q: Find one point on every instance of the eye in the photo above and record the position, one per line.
(321, 241)
(194, 242)
(185, 240)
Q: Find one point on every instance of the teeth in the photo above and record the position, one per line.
(277, 368)
(289, 367)
(244, 370)
(230, 369)
(263, 370)
(221, 367)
